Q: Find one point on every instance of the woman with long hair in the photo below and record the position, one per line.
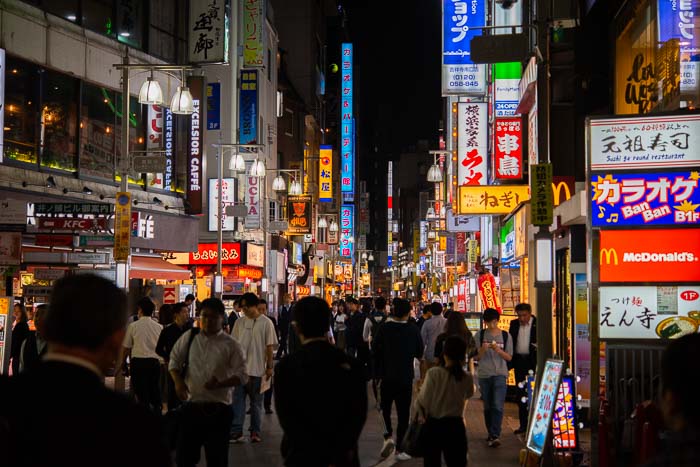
(440, 403)
(456, 326)
(20, 331)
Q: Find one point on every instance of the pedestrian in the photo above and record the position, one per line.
(495, 350)
(71, 418)
(429, 332)
(166, 341)
(440, 403)
(354, 326)
(524, 333)
(426, 314)
(263, 310)
(233, 316)
(256, 334)
(680, 377)
(456, 326)
(307, 383)
(284, 319)
(213, 363)
(376, 317)
(396, 345)
(165, 314)
(140, 347)
(20, 331)
(338, 319)
(34, 346)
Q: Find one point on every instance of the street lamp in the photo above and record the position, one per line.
(435, 174)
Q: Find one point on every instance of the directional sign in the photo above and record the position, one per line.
(96, 240)
(149, 164)
(71, 208)
(67, 223)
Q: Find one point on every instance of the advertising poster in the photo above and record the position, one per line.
(472, 143)
(564, 422)
(662, 198)
(461, 22)
(248, 107)
(299, 213)
(582, 344)
(545, 403)
(508, 149)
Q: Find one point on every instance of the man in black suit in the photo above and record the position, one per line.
(284, 318)
(78, 421)
(524, 333)
(308, 382)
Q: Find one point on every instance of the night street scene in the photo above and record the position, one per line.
(349, 233)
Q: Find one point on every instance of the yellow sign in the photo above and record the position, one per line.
(443, 243)
(610, 256)
(473, 250)
(122, 226)
(542, 205)
(557, 189)
(494, 199)
(325, 175)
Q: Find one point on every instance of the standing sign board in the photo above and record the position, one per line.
(545, 403)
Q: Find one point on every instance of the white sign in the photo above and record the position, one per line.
(649, 312)
(255, 255)
(472, 143)
(645, 142)
(154, 141)
(2, 102)
(252, 200)
(463, 79)
(208, 31)
(506, 97)
(228, 194)
(462, 223)
(87, 258)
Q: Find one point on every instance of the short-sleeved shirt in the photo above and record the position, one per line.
(142, 338)
(492, 364)
(255, 335)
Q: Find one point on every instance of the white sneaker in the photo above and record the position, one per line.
(402, 456)
(387, 448)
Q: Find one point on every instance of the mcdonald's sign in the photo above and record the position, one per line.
(608, 256)
(562, 189)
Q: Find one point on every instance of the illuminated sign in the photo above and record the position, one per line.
(646, 199)
(495, 199)
(325, 175)
(299, 212)
(545, 402)
(347, 121)
(248, 107)
(207, 253)
(562, 189)
(487, 291)
(655, 142)
(564, 423)
(662, 255)
(122, 226)
(460, 23)
(347, 214)
(663, 312)
(194, 167)
(247, 272)
(508, 149)
(253, 46)
(169, 140)
(472, 143)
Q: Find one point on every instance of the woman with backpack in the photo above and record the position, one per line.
(456, 326)
(440, 403)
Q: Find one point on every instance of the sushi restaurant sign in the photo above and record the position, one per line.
(663, 312)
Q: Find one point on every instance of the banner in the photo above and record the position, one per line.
(325, 175)
(347, 121)
(228, 198)
(248, 107)
(195, 147)
(487, 292)
(252, 199)
(508, 149)
(253, 30)
(214, 106)
(472, 143)
(542, 204)
(208, 31)
(122, 226)
(460, 23)
(299, 212)
(493, 199)
(154, 141)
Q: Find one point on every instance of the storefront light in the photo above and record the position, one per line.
(182, 102)
(434, 174)
(257, 169)
(334, 226)
(151, 93)
(237, 163)
(279, 185)
(295, 188)
(543, 249)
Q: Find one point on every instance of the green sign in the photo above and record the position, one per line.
(510, 70)
(96, 240)
(541, 199)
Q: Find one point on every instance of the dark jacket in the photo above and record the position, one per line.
(167, 339)
(76, 422)
(32, 356)
(395, 346)
(515, 329)
(284, 319)
(353, 330)
(308, 382)
(19, 333)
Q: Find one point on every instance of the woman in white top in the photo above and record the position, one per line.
(339, 318)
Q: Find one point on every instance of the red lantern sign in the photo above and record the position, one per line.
(508, 149)
(487, 292)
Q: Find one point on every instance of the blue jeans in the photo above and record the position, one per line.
(252, 390)
(493, 393)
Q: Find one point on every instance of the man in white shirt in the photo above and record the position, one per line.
(256, 334)
(213, 363)
(140, 346)
(524, 333)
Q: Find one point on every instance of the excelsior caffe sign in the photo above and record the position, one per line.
(659, 255)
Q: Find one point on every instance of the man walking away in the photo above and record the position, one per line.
(263, 310)
(376, 318)
(426, 314)
(256, 334)
(205, 364)
(495, 350)
(395, 346)
(353, 329)
(284, 318)
(524, 333)
(34, 346)
(168, 337)
(429, 332)
(309, 381)
(79, 422)
(140, 345)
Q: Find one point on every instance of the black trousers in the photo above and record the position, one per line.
(521, 365)
(204, 424)
(267, 399)
(145, 381)
(282, 349)
(173, 401)
(399, 393)
(445, 437)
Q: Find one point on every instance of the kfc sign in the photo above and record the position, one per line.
(508, 149)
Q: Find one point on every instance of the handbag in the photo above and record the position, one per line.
(414, 440)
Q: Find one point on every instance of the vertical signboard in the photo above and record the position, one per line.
(472, 144)
(506, 76)
(214, 106)
(542, 210)
(253, 46)
(676, 22)
(122, 226)
(169, 145)
(227, 199)
(252, 199)
(325, 175)
(2, 104)
(208, 31)
(545, 403)
(508, 149)
(347, 121)
(347, 219)
(390, 207)
(195, 147)
(299, 213)
(154, 141)
(248, 107)
(460, 23)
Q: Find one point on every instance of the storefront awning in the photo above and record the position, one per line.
(151, 267)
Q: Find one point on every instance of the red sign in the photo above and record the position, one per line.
(207, 253)
(462, 293)
(169, 295)
(487, 292)
(53, 240)
(689, 295)
(69, 223)
(663, 255)
(508, 149)
(248, 272)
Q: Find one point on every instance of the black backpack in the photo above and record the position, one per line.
(376, 324)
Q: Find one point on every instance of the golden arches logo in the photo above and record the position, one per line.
(557, 189)
(610, 255)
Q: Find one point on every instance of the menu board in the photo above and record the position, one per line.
(545, 403)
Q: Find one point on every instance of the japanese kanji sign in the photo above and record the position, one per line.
(541, 210)
(347, 121)
(494, 199)
(73, 208)
(299, 212)
(347, 219)
(461, 22)
(207, 253)
(208, 29)
(651, 255)
(666, 312)
(122, 226)
(508, 149)
(228, 194)
(655, 142)
(248, 107)
(325, 175)
(253, 33)
(666, 198)
(472, 143)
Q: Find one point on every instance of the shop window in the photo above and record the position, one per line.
(21, 104)
(66, 9)
(97, 132)
(58, 120)
(98, 16)
(137, 134)
(130, 22)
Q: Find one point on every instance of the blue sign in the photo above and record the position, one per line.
(460, 22)
(347, 122)
(347, 220)
(661, 198)
(248, 107)
(214, 106)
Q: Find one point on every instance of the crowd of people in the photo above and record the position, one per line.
(195, 377)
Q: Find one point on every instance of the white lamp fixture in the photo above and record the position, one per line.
(430, 213)
(322, 223)
(543, 249)
(150, 92)
(370, 257)
(364, 256)
(279, 185)
(182, 102)
(334, 226)
(237, 163)
(295, 188)
(434, 174)
(257, 169)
